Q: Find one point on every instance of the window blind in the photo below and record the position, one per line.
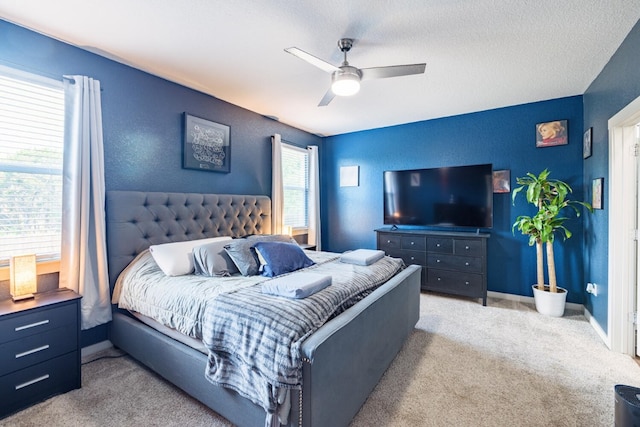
(31, 148)
(295, 177)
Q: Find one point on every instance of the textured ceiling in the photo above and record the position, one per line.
(480, 54)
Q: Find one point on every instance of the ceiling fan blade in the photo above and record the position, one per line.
(326, 99)
(392, 71)
(313, 60)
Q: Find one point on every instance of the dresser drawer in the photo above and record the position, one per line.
(37, 321)
(414, 243)
(462, 264)
(389, 243)
(468, 284)
(442, 245)
(18, 354)
(35, 383)
(413, 257)
(468, 247)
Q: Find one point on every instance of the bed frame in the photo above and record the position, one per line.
(343, 360)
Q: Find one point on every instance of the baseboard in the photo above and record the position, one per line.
(529, 300)
(596, 326)
(94, 348)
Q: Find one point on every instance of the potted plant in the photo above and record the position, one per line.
(550, 197)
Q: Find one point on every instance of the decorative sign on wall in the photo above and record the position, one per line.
(553, 133)
(206, 145)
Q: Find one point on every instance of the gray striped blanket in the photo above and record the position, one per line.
(254, 339)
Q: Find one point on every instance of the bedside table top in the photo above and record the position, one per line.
(40, 300)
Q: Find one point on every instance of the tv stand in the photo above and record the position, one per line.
(452, 262)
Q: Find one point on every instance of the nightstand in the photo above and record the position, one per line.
(39, 348)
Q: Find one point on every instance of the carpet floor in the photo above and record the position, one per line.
(464, 365)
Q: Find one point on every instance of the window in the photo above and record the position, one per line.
(31, 147)
(295, 180)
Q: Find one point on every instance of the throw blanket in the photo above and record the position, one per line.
(254, 339)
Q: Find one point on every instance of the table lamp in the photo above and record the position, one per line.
(23, 278)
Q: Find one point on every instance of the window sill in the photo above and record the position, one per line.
(43, 267)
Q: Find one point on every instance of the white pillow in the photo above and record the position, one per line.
(176, 259)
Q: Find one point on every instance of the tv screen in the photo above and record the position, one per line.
(459, 196)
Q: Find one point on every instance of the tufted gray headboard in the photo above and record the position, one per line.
(137, 220)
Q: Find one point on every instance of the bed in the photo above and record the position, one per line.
(342, 361)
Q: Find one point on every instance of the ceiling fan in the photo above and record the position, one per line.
(345, 79)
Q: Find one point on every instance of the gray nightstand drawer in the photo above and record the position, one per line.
(37, 321)
(19, 354)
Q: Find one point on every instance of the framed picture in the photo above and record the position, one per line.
(349, 176)
(206, 145)
(550, 134)
(586, 143)
(597, 190)
(502, 181)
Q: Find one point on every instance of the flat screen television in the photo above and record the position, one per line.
(449, 197)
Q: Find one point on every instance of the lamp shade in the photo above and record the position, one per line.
(23, 279)
(345, 82)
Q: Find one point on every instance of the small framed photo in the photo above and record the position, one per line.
(206, 145)
(550, 134)
(502, 181)
(597, 193)
(586, 143)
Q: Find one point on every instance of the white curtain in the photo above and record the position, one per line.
(313, 237)
(83, 260)
(277, 189)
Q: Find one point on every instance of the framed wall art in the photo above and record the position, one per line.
(586, 143)
(597, 190)
(206, 145)
(550, 134)
(502, 181)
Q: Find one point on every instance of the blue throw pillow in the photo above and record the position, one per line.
(280, 258)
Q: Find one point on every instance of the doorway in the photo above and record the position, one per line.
(624, 217)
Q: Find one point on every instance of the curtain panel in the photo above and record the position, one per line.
(83, 258)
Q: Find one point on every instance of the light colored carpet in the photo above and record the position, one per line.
(465, 365)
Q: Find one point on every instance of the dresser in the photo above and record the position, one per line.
(39, 348)
(452, 262)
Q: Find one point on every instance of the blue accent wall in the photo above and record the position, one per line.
(142, 124)
(617, 85)
(504, 137)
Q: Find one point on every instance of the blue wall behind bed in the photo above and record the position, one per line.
(142, 125)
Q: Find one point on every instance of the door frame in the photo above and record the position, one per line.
(623, 211)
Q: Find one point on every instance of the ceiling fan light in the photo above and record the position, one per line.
(345, 82)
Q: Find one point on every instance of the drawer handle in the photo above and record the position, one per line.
(413, 258)
(437, 260)
(439, 279)
(466, 282)
(437, 245)
(466, 247)
(33, 381)
(31, 325)
(467, 264)
(388, 241)
(34, 350)
(413, 243)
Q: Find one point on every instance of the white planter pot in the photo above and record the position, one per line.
(550, 303)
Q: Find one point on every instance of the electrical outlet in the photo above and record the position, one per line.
(592, 288)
